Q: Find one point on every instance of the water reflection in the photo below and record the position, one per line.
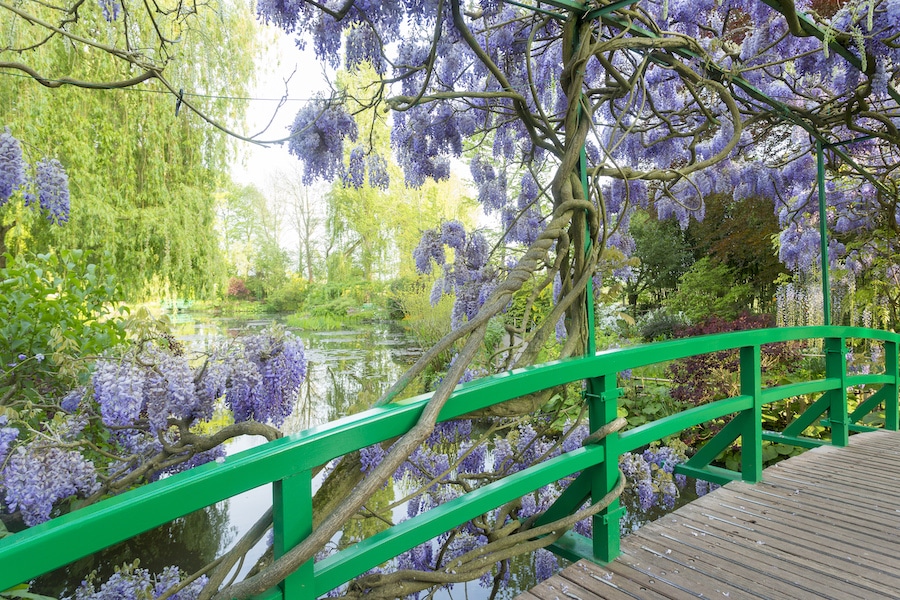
(348, 372)
(190, 542)
(348, 369)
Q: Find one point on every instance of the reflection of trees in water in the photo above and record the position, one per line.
(348, 372)
(374, 518)
(189, 542)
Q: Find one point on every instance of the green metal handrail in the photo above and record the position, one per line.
(289, 462)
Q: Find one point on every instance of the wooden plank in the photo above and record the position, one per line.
(716, 570)
(626, 567)
(557, 588)
(824, 525)
(790, 565)
(805, 521)
(589, 575)
(797, 567)
(804, 532)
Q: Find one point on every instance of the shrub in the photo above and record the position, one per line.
(54, 310)
(661, 324)
(426, 322)
(710, 289)
(289, 297)
(237, 289)
(711, 376)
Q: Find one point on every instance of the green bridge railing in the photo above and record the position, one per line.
(289, 462)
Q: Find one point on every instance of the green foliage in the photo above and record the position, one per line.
(525, 311)
(290, 297)
(347, 299)
(143, 178)
(55, 309)
(709, 289)
(664, 257)
(661, 324)
(426, 323)
(269, 270)
(739, 235)
(644, 401)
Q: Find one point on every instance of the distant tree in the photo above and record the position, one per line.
(250, 227)
(664, 256)
(742, 236)
(146, 173)
(304, 212)
(710, 289)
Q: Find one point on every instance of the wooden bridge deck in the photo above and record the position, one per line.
(822, 525)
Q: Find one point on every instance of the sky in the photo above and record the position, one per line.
(281, 62)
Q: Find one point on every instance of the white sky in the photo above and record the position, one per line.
(281, 61)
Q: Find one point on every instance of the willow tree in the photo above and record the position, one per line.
(144, 166)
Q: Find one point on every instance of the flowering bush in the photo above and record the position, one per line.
(462, 455)
(237, 289)
(59, 309)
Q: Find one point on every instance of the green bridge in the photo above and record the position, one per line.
(289, 462)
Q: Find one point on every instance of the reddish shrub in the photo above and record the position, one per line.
(237, 288)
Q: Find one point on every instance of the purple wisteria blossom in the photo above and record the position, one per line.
(111, 9)
(49, 189)
(7, 436)
(355, 174)
(119, 390)
(35, 478)
(379, 178)
(12, 166)
(317, 139)
(133, 582)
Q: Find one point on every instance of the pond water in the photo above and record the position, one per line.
(348, 371)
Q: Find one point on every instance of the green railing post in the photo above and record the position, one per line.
(292, 522)
(836, 367)
(602, 397)
(751, 431)
(891, 408)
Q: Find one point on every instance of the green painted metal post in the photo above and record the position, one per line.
(588, 242)
(823, 234)
(292, 522)
(836, 367)
(602, 397)
(751, 431)
(891, 408)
